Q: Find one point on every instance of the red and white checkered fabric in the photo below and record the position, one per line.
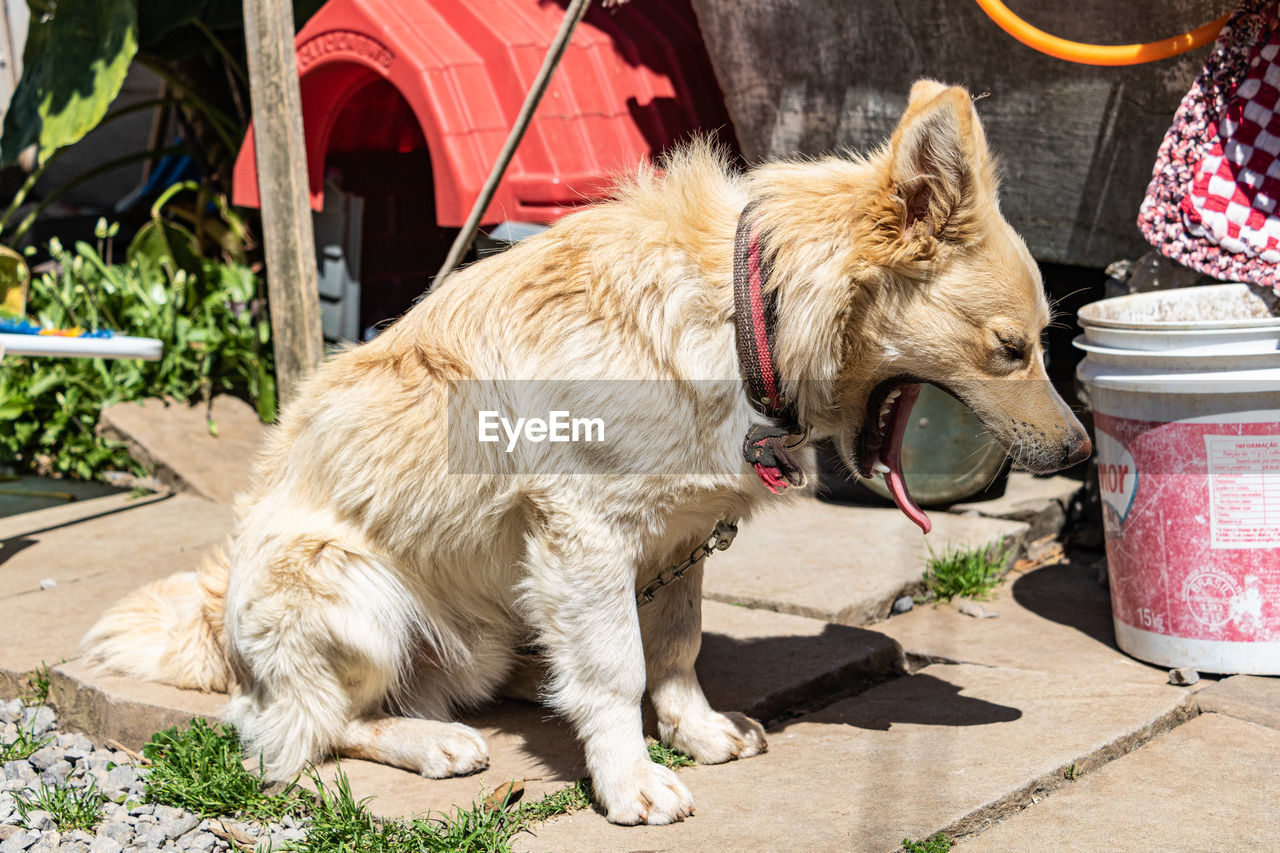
(1212, 201)
(1232, 198)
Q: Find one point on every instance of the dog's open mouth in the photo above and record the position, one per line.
(880, 442)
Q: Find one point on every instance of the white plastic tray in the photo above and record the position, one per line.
(117, 346)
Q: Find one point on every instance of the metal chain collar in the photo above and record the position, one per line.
(719, 540)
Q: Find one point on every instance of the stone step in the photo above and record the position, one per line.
(175, 442)
(765, 664)
(952, 747)
(1208, 785)
(839, 563)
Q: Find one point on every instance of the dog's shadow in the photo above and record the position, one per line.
(872, 697)
(736, 678)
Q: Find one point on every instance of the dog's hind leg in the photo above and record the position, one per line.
(433, 748)
(424, 740)
(320, 634)
(672, 628)
(579, 594)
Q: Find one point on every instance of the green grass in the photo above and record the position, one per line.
(70, 808)
(966, 572)
(22, 745)
(201, 769)
(37, 686)
(935, 844)
(668, 757)
(571, 798)
(341, 823)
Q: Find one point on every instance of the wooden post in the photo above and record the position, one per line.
(282, 187)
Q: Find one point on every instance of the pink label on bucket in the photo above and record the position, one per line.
(1192, 516)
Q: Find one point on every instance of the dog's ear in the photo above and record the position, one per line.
(925, 90)
(934, 152)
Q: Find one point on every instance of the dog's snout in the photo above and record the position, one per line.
(1079, 452)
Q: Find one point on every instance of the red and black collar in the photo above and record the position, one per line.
(767, 447)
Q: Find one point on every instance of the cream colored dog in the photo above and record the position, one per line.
(370, 590)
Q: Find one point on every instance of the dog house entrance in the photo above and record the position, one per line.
(377, 239)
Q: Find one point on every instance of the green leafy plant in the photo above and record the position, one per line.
(74, 63)
(934, 844)
(70, 808)
(966, 572)
(208, 315)
(201, 769)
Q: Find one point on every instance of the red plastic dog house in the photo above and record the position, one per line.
(406, 104)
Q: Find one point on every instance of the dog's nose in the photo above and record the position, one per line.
(1081, 451)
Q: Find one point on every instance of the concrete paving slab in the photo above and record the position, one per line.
(950, 747)
(1040, 501)
(174, 440)
(1246, 697)
(1056, 618)
(94, 552)
(842, 564)
(1208, 785)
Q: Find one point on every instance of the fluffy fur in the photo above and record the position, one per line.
(367, 594)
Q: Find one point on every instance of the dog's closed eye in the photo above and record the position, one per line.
(1015, 351)
(1014, 347)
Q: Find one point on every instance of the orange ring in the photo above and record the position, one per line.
(1099, 54)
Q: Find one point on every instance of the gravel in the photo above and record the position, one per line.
(127, 823)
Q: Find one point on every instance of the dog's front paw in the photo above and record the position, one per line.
(716, 738)
(453, 750)
(644, 793)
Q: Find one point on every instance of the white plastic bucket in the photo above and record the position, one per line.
(1185, 391)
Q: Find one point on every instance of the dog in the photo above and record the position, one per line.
(377, 580)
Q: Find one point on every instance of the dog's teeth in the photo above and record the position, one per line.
(882, 422)
(893, 395)
(880, 468)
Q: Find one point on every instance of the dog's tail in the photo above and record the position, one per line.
(169, 630)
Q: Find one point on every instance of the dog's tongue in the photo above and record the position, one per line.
(891, 455)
